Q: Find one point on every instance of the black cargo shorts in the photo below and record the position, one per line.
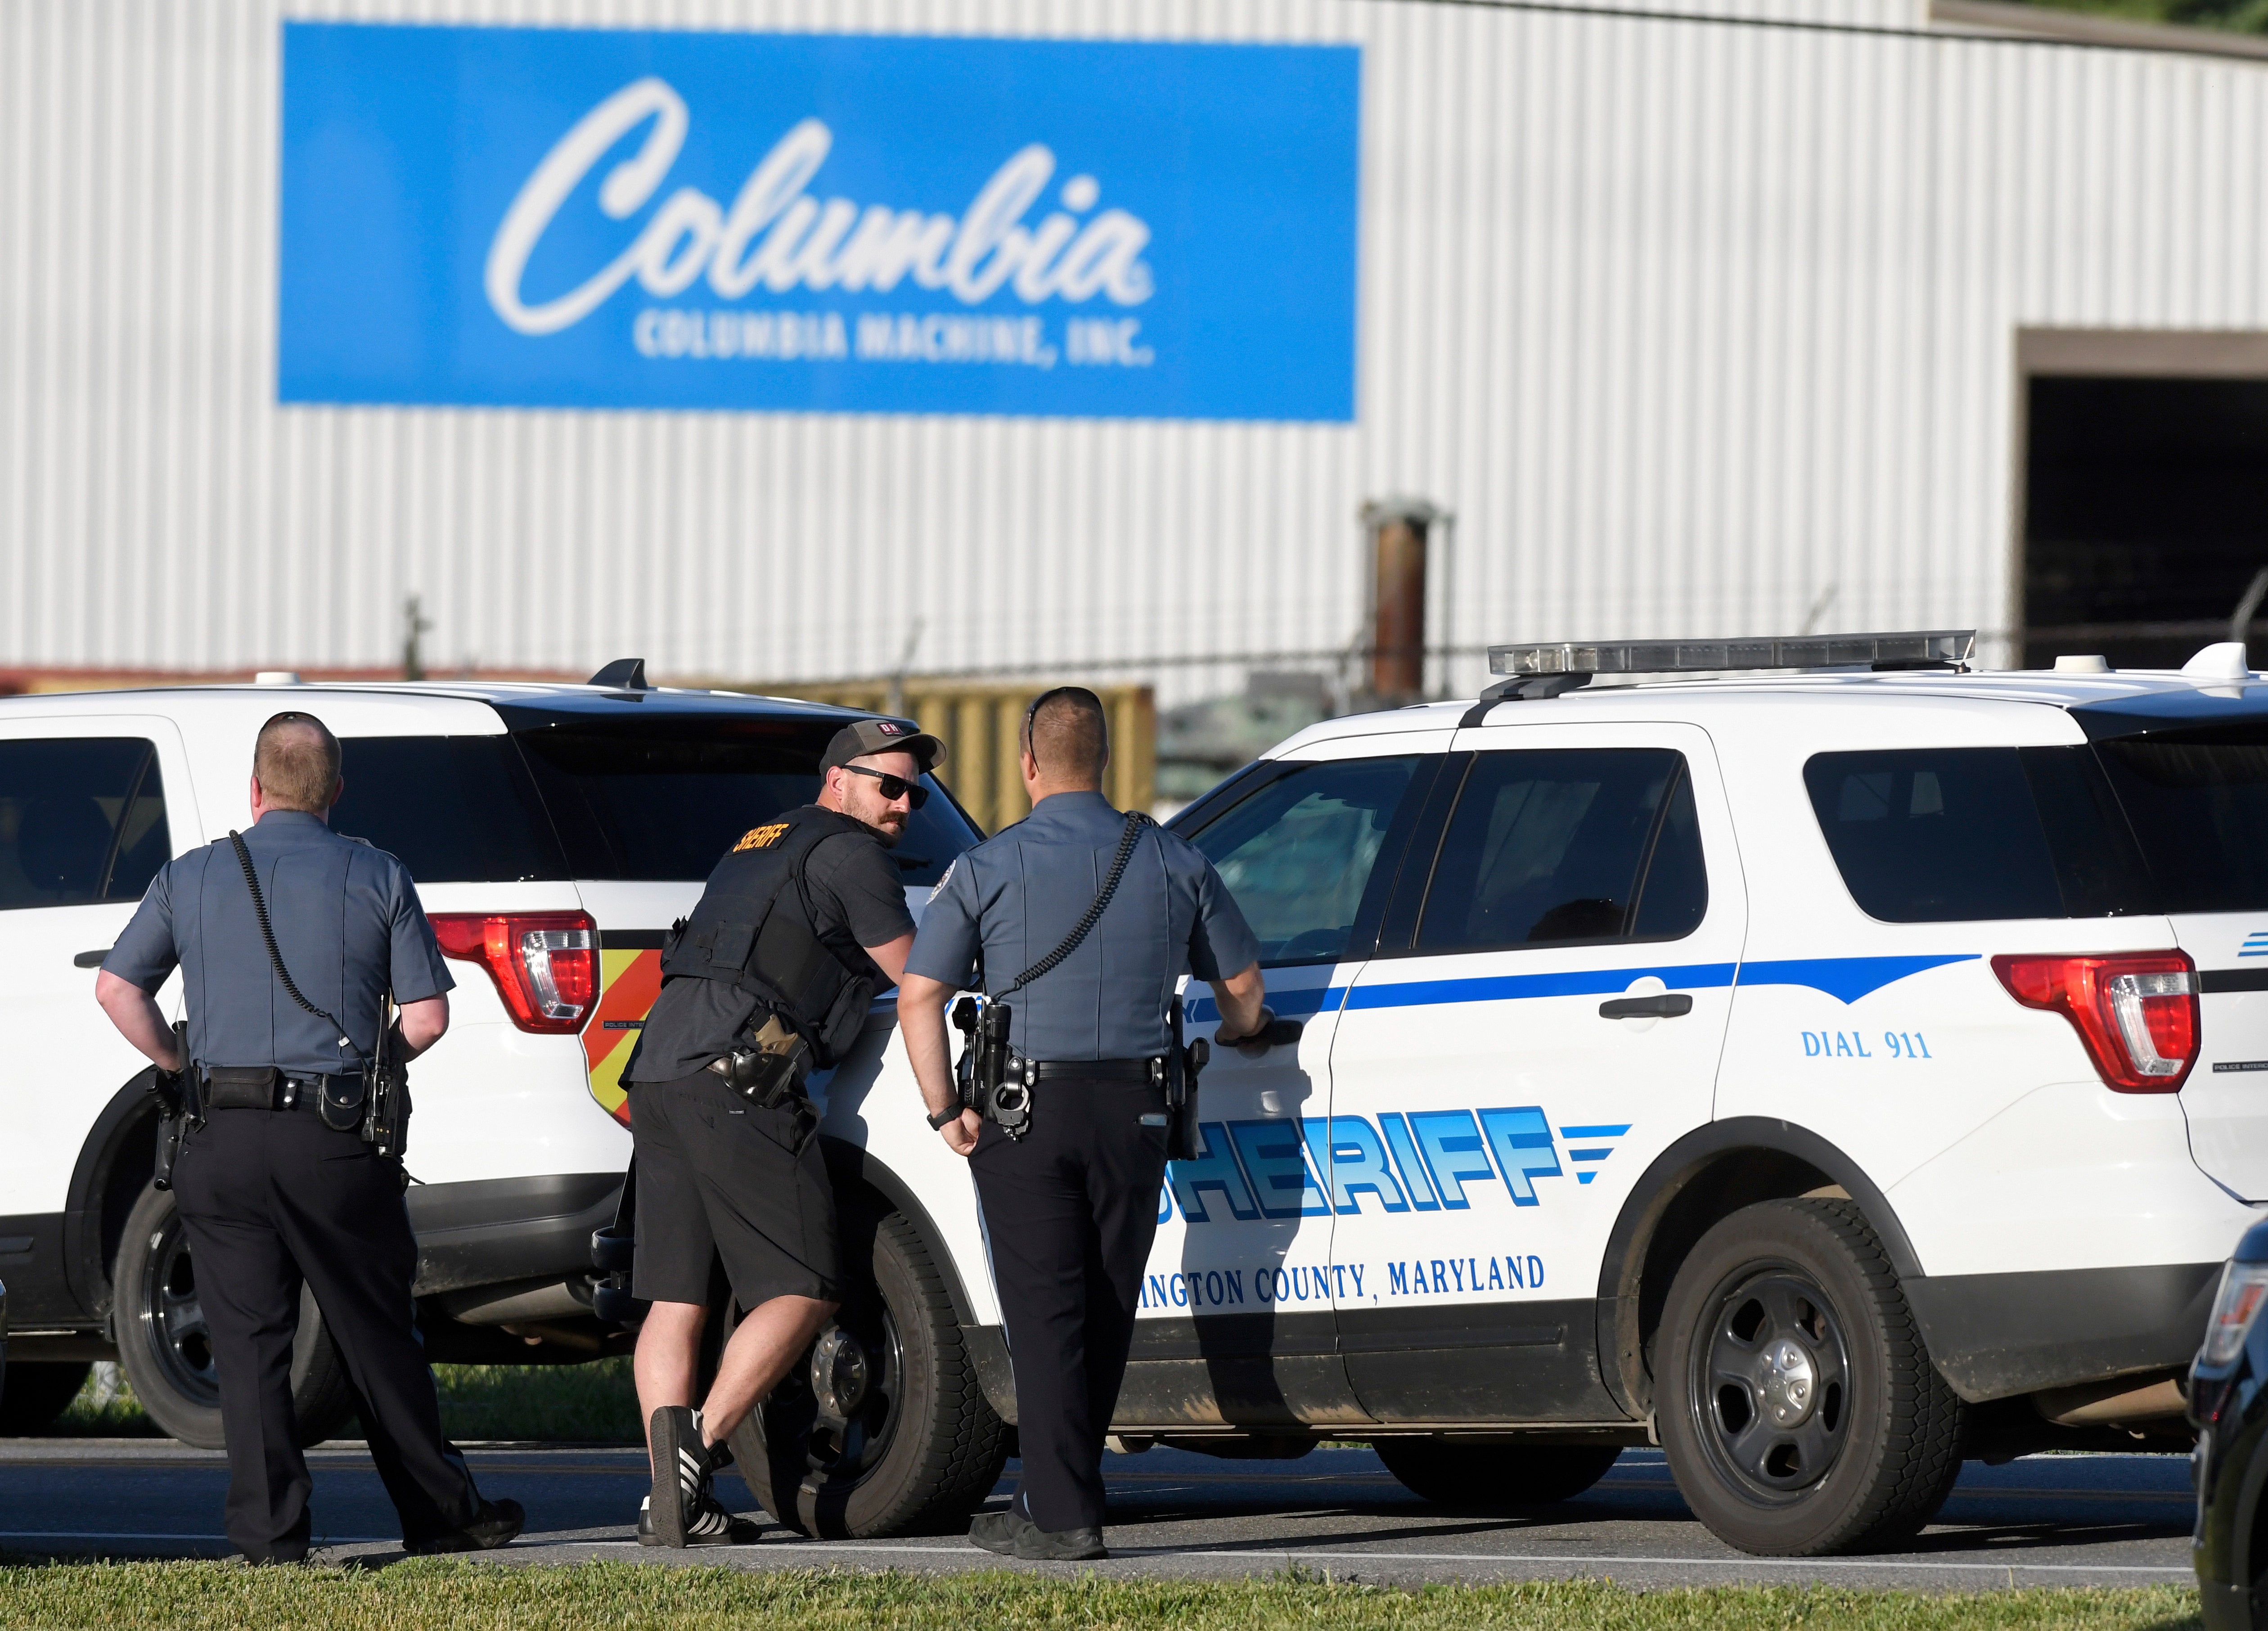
(718, 1175)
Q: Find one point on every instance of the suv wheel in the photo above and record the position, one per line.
(36, 1391)
(883, 1429)
(1494, 1478)
(1798, 1407)
(166, 1350)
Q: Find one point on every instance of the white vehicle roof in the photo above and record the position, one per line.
(2020, 706)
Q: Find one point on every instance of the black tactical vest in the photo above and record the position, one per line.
(753, 928)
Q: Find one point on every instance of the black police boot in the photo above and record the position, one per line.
(1035, 1544)
(681, 1469)
(997, 1531)
(496, 1525)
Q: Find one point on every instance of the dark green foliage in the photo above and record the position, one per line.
(2248, 16)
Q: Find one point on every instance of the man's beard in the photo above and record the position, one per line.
(889, 836)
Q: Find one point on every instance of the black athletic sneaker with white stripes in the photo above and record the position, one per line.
(711, 1526)
(681, 1512)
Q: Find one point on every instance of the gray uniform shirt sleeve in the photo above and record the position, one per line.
(419, 970)
(947, 944)
(1221, 943)
(146, 953)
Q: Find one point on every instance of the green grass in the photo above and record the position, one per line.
(2249, 16)
(106, 1407)
(470, 1597)
(593, 1403)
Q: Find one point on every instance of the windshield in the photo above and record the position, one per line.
(664, 797)
(2197, 801)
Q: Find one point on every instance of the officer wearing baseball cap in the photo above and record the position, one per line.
(768, 980)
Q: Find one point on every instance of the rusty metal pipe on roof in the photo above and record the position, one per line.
(1400, 530)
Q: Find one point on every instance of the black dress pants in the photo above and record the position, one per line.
(1069, 1215)
(269, 1197)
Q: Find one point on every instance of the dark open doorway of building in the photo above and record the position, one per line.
(2146, 515)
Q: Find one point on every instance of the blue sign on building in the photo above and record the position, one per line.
(588, 218)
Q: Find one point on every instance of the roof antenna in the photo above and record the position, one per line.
(2240, 621)
(1818, 610)
(623, 674)
(416, 626)
(896, 699)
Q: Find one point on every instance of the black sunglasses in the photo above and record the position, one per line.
(895, 787)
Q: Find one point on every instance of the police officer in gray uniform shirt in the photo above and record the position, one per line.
(1071, 1208)
(270, 1195)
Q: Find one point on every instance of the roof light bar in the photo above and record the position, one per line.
(1797, 651)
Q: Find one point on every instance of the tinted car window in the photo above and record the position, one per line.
(1298, 853)
(81, 820)
(665, 797)
(1675, 895)
(2198, 802)
(452, 810)
(1555, 847)
(1950, 834)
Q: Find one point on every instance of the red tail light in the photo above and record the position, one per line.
(2136, 1012)
(545, 963)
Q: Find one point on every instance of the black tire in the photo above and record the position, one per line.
(922, 1450)
(1494, 1478)
(1795, 1399)
(166, 1351)
(36, 1391)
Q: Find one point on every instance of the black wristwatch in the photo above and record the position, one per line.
(952, 1112)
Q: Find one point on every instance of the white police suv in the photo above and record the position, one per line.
(1828, 1075)
(554, 830)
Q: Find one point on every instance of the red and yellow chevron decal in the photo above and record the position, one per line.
(630, 982)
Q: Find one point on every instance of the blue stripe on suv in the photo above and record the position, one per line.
(1846, 979)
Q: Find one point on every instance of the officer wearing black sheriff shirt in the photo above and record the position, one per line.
(768, 979)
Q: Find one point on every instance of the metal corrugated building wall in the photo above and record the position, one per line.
(1690, 322)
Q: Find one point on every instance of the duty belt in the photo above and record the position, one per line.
(1031, 1071)
(242, 1087)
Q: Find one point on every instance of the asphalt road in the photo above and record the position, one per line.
(2047, 1520)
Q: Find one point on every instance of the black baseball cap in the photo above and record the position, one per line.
(861, 737)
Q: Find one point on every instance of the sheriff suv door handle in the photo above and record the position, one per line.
(90, 959)
(1668, 1005)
